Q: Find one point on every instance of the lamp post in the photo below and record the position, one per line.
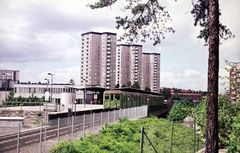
(46, 99)
(51, 87)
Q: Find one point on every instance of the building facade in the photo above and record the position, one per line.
(105, 64)
(129, 64)
(98, 59)
(8, 78)
(235, 82)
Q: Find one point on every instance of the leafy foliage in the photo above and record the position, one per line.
(176, 97)
(179, 110)
(135, 85)
(147, 89)
(125, 137)
(148, 20)
(166, 93)
(226, 117)
(200, 13)
(38, 113)
(117, 86)
(234, 137)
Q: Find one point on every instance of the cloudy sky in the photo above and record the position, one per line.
(41, 36)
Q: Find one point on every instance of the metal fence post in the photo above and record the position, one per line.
(171, 138)
(141, 141)
(45, 129)
(72, 127)
(101, 119)
(84, 125)
(93, 123)
(108, 117)
(58, 128)
(114, 116)
(40, 145)
(18, 138)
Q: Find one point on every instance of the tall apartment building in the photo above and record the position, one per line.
(151, 71)
(8, 78)
(98, 59)
(235, 82)
(129, 64)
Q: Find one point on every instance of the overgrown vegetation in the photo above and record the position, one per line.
(125, 137)
(228, 121)
(180, 110)
(38, 113)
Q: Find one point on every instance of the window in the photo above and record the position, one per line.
(107, 97)
(117, 97)
(111, 97)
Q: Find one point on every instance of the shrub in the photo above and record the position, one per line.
(179, 111)
(39, 113)
(227, 113)
(125, 137)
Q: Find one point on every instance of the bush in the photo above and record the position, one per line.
(125, 137)
(180, 110)
(38, 113)
(227, 113)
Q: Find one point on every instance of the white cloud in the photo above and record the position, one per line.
(190, 80)
(41, 36)
(192, 73)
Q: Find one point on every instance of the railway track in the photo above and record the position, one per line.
(9, 142)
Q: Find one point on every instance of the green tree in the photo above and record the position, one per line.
(227, 113)
(129, 84)
(10, 96)
(135, 85)
(176, 97)
(117, 86)
(124, 85)
(147, 89)
(179, 110)
(149, 21)
(166, 93)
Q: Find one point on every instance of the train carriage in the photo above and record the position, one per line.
(119, 99)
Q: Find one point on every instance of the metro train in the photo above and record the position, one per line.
(119, 99)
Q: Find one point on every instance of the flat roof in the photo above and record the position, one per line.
(137, 90)
(98, 33)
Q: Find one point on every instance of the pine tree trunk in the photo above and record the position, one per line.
(213, 67)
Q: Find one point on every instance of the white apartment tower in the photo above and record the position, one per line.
(151, 71)
(98, 59)
(129, 64)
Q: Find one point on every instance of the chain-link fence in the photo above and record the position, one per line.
(41, 139)
(171, 137)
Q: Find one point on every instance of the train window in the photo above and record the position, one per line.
(111, 97)
(106, 97)
(117, 97)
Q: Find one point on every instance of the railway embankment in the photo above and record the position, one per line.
(31, 120)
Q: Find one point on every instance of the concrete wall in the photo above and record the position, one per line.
(11, 121)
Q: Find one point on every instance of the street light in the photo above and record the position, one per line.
(51, 86)
(47, 99)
